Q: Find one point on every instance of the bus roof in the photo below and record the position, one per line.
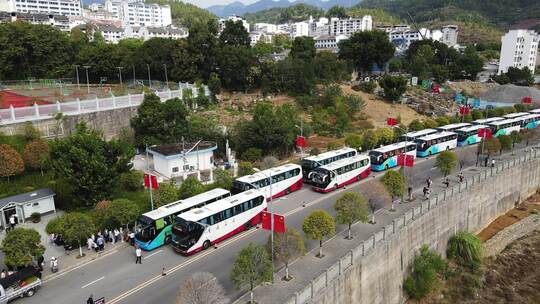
(504, 121)
(514, 115)
(529, 116)
(269, 172)
(197, 214)
(535, 111)
(419, 133)
(487, 120)
(345, 161)
(436, 135)
(329, 154)
(392, 147)
(453, 126)
(471, 128)
(187, 203)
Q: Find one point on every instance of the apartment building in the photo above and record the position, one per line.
(138, 13)
(234, 18)
(49, 7)
(351, 25)
(519, 49)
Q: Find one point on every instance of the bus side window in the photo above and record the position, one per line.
(238, 209)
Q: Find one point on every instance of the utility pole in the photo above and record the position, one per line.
(77, 71)
(149, 80)
(149, 179)
(166, 78)
(120, 74)
(86, 67)
(134, 79)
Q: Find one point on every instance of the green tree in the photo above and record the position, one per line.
(203, 48)
(384, 136)
(351, 207)
(20, 246)
(446, 161)
(234, 34)
(214, 84)
(245, 168)
(11, 162)
(377, 197)
(36, 154)
(223, 179)
(287, 247)
(365, 49)
(303, 48)
(337, 11)
(131, 180)
(165, 194)
(505, 142)
(120, 213)
(76, 227)
(393, 86)
(251, 267)
(489, 147)
(394, 183)
(416, 125)
(190, 187)
(319, 225)
(467, 249)
(424, 278)
(353, 140)
(236, 67)
(517, 137)
(90, 164)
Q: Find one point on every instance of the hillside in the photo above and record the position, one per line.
(237, 8)
(278, 15)
(184, 13)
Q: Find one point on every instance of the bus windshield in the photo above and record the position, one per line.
(308, 165)
(321, 177)
(421, 145)
(186, 233)
(145, 229)
(376, 157)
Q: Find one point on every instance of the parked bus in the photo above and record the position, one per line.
(386, 157)
(411, 136)
(515, 115)
(505, 127)
(285, 179)
(340, 173)
(153, 229)
(486, 120)
(200, 228)
(535, 111)
(312, 162)
(529, 121)
(469, 135)
(435, 143)
(453, 127)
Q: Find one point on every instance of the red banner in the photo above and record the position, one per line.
(279, 222)
(485, 133)
(391, 121)
(150, 180)
(301, 141)
(526, 100)
(464, 110)
(405, 160)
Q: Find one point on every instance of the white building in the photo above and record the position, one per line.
(390, 27)
(403, 38)
(299, 29)
(51, 7)
(111, 33)
(58, 21)
(260, 36)
(265, 27)
(138, 13)
(519, 49)
(23, 205)
(319, 27)
(222, 21)
(173, 161)
(350, 25)
(328, 43)
(450, 35)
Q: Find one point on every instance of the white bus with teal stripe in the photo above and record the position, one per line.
(469, 135)
(486, 120)
(386, 157)
(515, 115)
(529, 121)
(435, 143)
(453, 127)
(411, 136)
(505, 127)
(153, 229)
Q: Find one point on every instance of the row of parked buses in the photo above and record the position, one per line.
(200, 221)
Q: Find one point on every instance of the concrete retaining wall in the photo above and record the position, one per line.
(511, 233)
(374, 271)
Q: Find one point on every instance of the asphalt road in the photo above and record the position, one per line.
(117, 278)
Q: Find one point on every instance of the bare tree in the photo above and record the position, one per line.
(269, 162)
(465, 156)
(201, 288)
(376, 196)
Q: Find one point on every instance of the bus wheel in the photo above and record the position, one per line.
(335, 186)
(206, 245)
(30, 292)
(447, 148)
(168, 239)
(288, 191)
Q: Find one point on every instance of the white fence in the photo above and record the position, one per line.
(47, 111)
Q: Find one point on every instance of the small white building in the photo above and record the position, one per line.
(265, 27)
(299, 29)
(23, 205)
(519, 49)
(328, 43)
(174, 161)
(450, 35)
(53, 7)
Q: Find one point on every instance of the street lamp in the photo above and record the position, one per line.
(120, 73)
(149, 177)
(166, 78)
(149, 81)
(134, 79)
(77, 71)
(86, 67)
(301, 127)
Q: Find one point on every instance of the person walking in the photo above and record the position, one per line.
(90, 300)
(409, 190)
(492, 163)
(40, 262)
(429, 182)
(116, 235)
(446, 182)
(138, 254)
(101, 243)
(12, 223)
(461, 177)
(111, 236)
(131, 238)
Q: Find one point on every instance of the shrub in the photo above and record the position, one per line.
(424, 278)
(466, 249)
(35, 217)
(54, 225)
(252, 155)
(131, 181)
(367, 86)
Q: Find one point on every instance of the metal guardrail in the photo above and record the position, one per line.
(48, 111)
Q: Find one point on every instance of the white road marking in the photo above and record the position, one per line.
(84, 286)
(146, 257)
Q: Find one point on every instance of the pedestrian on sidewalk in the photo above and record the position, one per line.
(429, 182)
(138, 254)
(493, 163)
(116, 235)
(101, 243)
(90, 300)
(486, 161)
(461, 177)
(428, 192)
(12, 223)
(106, 235)
(131, 238)
(409, 190)
(4, 274)
(41, 262)
(425, 190)
(447, 182)
(90, 243)
(111, 236)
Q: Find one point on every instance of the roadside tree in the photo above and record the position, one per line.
(11, 162)
(446, 161)
(506, 143)
(36, 154)
(165, 194)
(319, 225)
(394, 183)
(20, 246)
(251, 267)
(190, 187)
(201, 288)
(351, 207)
(76, 227)
(376, 196)
(245, 168)
(120, 213)
(516, 137)
(287, 247)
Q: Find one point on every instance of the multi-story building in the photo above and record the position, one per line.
(320, 27)
(58, 21)
(403, 38)
(299, 29)
(519, 49)
(113, 34)
(351, 25)
(49, 7)
(390, 27)
(265, 27)
(450, 35)
(328, 43)
(222, 21)
(260, 36)
(138, 13)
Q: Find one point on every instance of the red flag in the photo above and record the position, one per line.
(464, 110)
(279, 222)
(409, 160)
(146, 180)
(526, 100)
(401, 159)
(150, 180)
(300, 141)
(391, 121)
(435, 88)
(485, 132)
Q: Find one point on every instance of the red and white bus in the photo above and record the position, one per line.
(340, 173)
(200, 228)
(285, 179)
(312, 162)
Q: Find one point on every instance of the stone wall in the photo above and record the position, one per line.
(498, 242)
(374, 271)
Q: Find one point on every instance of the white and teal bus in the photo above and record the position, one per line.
(453, 127)
(515, 115)
(486, 120)
(505, 127)
(535, 111)
(386, 157)
(411, 136)
(469, 135)
(153, 229)
(435, 143)
(529, 121)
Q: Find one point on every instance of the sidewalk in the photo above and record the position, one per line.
(66, 259)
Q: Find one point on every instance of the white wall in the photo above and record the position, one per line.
(41, 206)
(519, 49)
(165, 166)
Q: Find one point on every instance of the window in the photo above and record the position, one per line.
(175, 169)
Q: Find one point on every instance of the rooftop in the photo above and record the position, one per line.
(27, 197)
(179, 149)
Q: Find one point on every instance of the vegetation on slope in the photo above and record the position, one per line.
(184, 13)
(277, 15)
